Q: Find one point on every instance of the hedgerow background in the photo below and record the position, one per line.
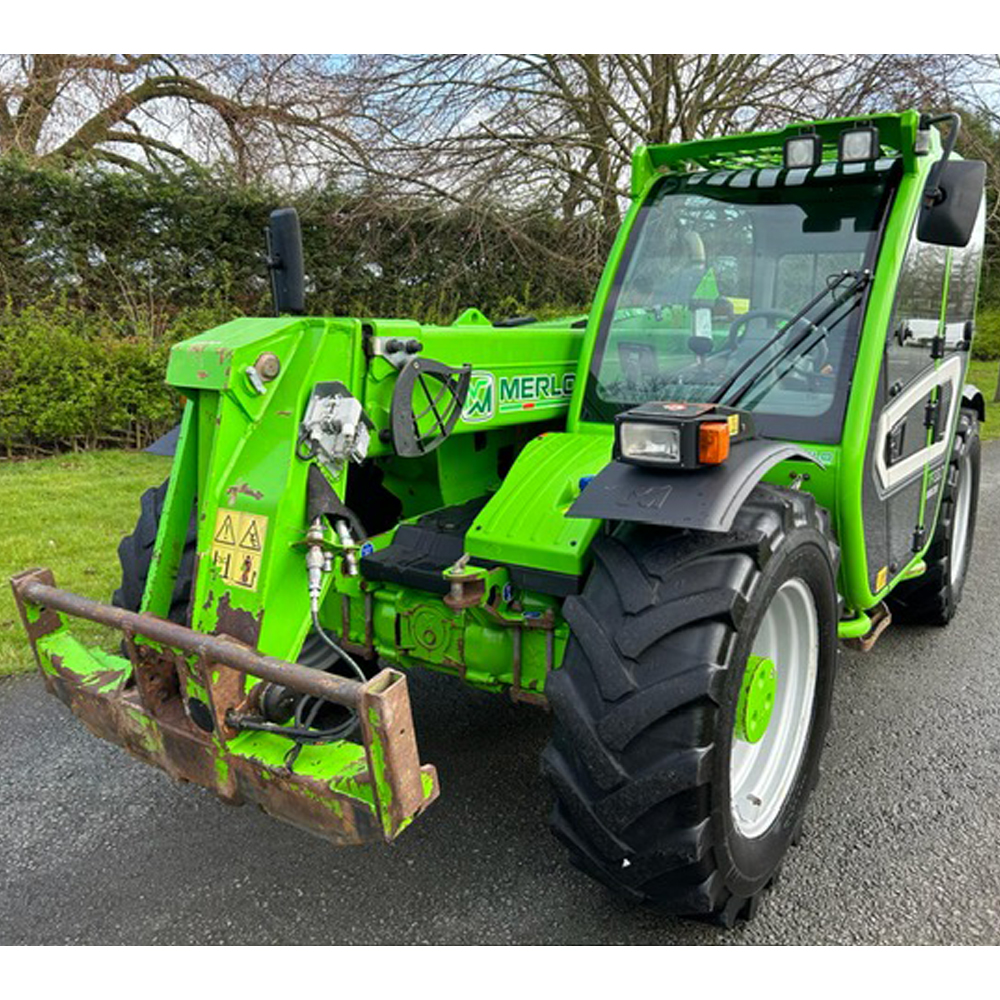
(101, 271)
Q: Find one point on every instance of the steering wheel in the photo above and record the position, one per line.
(817, 355)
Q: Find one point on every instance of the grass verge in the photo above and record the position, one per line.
(984, 374)
(67, 513)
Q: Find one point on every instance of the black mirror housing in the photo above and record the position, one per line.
(949, 218)
(285, 261)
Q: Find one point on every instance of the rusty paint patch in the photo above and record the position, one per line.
(156, 677)
(102, 678)
(202, 374)
(283, 413)
(227, 692)
(224, 355)
(236, 622)
(47, 621)
(242, 488)
(308, 804)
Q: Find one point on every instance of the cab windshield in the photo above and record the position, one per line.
(746, 285)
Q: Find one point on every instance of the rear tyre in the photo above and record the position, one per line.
(671, 786)
(933, 598)
(135, 553)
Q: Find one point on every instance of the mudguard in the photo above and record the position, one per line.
(705, 499)
(973, 399)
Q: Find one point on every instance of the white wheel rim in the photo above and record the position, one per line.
(762, 774)
(960, 529)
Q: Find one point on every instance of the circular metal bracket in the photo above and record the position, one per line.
(426, 404)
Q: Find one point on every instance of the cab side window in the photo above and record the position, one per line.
(962, 287)
(917, 313)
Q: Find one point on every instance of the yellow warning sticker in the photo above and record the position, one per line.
(237, 546)
(881, 578)
(734, 424)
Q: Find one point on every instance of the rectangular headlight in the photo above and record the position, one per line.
(679, 435)
(803, 151)
(654, 443)
(857, 145)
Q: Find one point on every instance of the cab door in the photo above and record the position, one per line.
(919, 389)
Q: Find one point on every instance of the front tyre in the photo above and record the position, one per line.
(693, 703)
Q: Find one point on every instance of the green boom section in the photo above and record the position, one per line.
(237, 466)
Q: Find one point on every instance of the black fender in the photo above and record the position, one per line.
(973, 399)
(704, 499)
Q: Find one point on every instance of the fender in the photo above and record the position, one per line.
(973, 399)
(704, 499)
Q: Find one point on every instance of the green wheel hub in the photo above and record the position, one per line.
(753, 710)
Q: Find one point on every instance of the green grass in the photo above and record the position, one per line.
(67, 514)
(983, 374)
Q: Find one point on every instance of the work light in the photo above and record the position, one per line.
(653, 443)
(803, 150)
(678, 435)
(858, 144)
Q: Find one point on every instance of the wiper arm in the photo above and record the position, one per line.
(858, 283)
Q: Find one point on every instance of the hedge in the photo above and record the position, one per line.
(144, 248)
(66, 383)
(101, 272)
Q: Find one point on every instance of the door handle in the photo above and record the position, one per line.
(894, 443)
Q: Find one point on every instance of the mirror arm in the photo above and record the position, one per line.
(933, 194)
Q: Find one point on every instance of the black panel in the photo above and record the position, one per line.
(904, 514)
(705, 499)
(422, 551)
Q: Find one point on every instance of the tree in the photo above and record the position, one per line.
(560, 129)
(254, 113)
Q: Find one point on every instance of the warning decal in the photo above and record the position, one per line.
(225, 535)
(237, 546)
(250, 539)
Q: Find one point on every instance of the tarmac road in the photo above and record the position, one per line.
(901, 844)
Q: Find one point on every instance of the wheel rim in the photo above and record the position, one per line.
(762, 773)
(960, 530)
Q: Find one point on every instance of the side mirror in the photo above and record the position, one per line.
(284, 260)
(949, 213)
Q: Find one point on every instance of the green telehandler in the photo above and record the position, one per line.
(659, 520)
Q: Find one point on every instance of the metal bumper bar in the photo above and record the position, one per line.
(345, 792)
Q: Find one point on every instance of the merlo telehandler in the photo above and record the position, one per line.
(659, 520)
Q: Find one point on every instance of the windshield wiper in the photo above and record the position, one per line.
(858, 282)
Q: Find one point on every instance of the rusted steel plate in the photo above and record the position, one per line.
(141, 707)
(393, 760)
